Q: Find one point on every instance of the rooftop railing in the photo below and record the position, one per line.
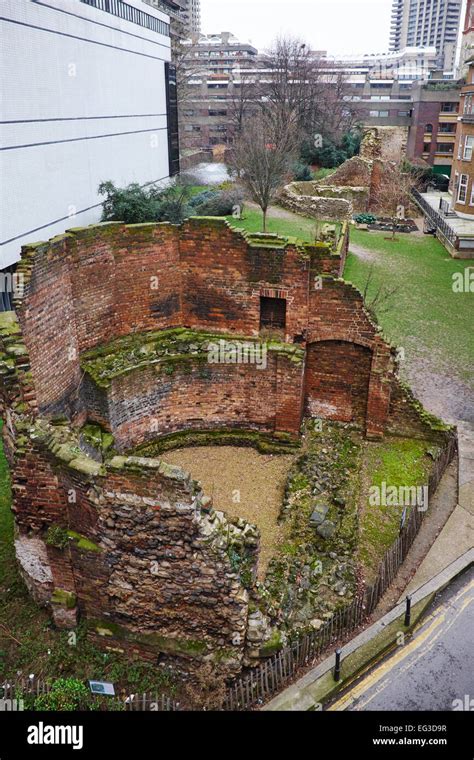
(132, 14)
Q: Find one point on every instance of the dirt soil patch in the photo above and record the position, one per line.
(242, 483)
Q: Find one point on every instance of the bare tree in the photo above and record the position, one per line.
(262, 155)
(293, 85)
(244, 99)
(392, 192)
(333, 116)
(381, 301)
(302, 83)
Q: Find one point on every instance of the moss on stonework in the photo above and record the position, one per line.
(272, 646)
(64, 598)
(93, 230)
(57, 536)
(83, 543)
(9, 324)
(312, 573)
(97, 437)
(86, 466)
(434, 423)
(165, 644)
(278, 443)
(168, 349)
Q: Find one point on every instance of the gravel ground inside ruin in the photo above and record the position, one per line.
(228, 473)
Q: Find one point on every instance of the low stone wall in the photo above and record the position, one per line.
(318, 206)
(325, 201)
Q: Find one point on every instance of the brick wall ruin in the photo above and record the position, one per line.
(353, 187)
(115, 328)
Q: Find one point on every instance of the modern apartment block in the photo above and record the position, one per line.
(378, 88)
(225, 73)
(185, 15)
(427, 23)
(432, 133)
(88, 96)
(229, 76)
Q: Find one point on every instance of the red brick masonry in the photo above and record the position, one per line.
(142, 560)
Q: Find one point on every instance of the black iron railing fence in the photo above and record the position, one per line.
(436, 219)
(130, 13)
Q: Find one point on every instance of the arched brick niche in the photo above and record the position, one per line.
(337, 381)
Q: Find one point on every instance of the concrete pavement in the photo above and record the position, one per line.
(457, 536)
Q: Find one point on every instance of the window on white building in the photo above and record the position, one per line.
(463, 183)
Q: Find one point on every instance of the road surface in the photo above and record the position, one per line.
(431, 669)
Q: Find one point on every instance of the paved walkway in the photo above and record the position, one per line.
(457, 535)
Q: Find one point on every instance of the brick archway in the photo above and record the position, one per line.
(337, 380)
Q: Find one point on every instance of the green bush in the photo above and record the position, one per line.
(332, 153)
(365, 218)
(66, 695)
(137, 205)
(201, 198)
(219, 203)
(302, 172)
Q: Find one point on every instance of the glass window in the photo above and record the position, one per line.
(447, 148)
(468, 146)
(462, 194)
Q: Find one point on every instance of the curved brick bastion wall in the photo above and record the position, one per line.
(89, 291)
(122, 327)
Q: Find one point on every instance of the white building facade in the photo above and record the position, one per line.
(85, 99)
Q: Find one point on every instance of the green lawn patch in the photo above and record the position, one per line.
(425, 317)
(323, 173)
(396, 462)
(302, 228)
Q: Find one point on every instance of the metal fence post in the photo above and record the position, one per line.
(337, 669)
(408, 612)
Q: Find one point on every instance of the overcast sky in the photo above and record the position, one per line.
(338, 26)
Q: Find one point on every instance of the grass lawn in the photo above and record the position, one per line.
(425, 315)
(397, 462)
(322, 173)
(299, 227)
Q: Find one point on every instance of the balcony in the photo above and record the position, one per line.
(130, 13)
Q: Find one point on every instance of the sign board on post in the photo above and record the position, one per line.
(102, 687)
